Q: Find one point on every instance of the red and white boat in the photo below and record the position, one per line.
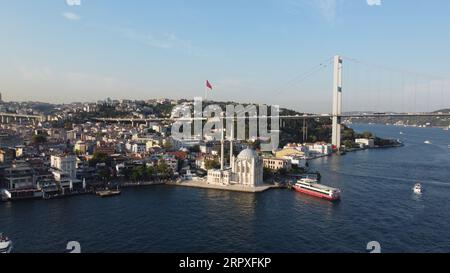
(311, 187)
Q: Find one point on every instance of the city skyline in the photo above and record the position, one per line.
(61, 52)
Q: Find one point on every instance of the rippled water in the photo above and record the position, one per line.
(377, 204)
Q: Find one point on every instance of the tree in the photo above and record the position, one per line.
(348, 134)
(195, 149)
(137, 174)
(105, 174)
(163, 169)
(349, 144)
(212, 164)
(38, 139)
(267, 173)
(149, 172)
(367, 135)
(282, 171)
(99, 157)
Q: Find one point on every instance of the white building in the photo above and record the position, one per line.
(139, 148)
(66, 164)
(19, 176)
(365, 142)
(276, 164)
(172, 162)
(246, 170)
(299, 161)
(185, 142)
(320, 148)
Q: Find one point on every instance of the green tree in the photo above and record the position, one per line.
(349, 144)
(104, 174)
(195, 149)
(137, 174)
(149, 172)
(212, 164)
(367, 135)
(348, 134)
(267, 173)
(39, 139)
(163, 169)
(99, 157)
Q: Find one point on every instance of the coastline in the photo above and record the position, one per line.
(236, 188)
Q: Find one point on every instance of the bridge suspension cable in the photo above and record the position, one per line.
(300, 78)
(393, 90)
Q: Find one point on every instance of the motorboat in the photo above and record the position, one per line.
(5, 244)
(417, 188)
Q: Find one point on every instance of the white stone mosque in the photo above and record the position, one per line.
(245, 170)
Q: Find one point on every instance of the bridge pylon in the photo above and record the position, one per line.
(337, 102)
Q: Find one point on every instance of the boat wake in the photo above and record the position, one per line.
(407, 180)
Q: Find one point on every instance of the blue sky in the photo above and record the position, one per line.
(249, 50)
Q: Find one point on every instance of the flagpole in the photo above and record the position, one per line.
(206, 93)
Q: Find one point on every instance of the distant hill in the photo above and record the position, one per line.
(418, 121)
(447, 110)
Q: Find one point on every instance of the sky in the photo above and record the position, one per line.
(251, 51)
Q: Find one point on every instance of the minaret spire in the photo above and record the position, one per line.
(231, 142)
(222, 149)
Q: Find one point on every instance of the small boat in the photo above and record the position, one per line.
(5, 244)
(108, 193)
(417, 188)
(401, 133)
(427, 142)
(312, 187)
(5, 195)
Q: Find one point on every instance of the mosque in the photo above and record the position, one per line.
(245, 170)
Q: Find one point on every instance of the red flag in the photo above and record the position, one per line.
(208, 85)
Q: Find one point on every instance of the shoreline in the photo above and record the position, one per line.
(235, 188)
(403, 125)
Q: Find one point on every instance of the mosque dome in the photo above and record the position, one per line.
(248, 154)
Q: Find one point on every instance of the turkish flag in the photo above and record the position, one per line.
(208, 85)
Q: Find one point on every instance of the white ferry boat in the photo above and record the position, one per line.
(5, 244)
(311, 187)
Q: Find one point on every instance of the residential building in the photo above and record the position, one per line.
(276, 164)
(138, 148)
(7, 155)
(19, 176)
(65, 164)
(365, 142)
(321, 148)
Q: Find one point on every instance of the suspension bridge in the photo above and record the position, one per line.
(375, 107)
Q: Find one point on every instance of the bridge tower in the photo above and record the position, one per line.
(337, 102)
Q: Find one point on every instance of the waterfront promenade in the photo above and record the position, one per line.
(204, 185)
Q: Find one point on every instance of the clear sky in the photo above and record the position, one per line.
(248, 49)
